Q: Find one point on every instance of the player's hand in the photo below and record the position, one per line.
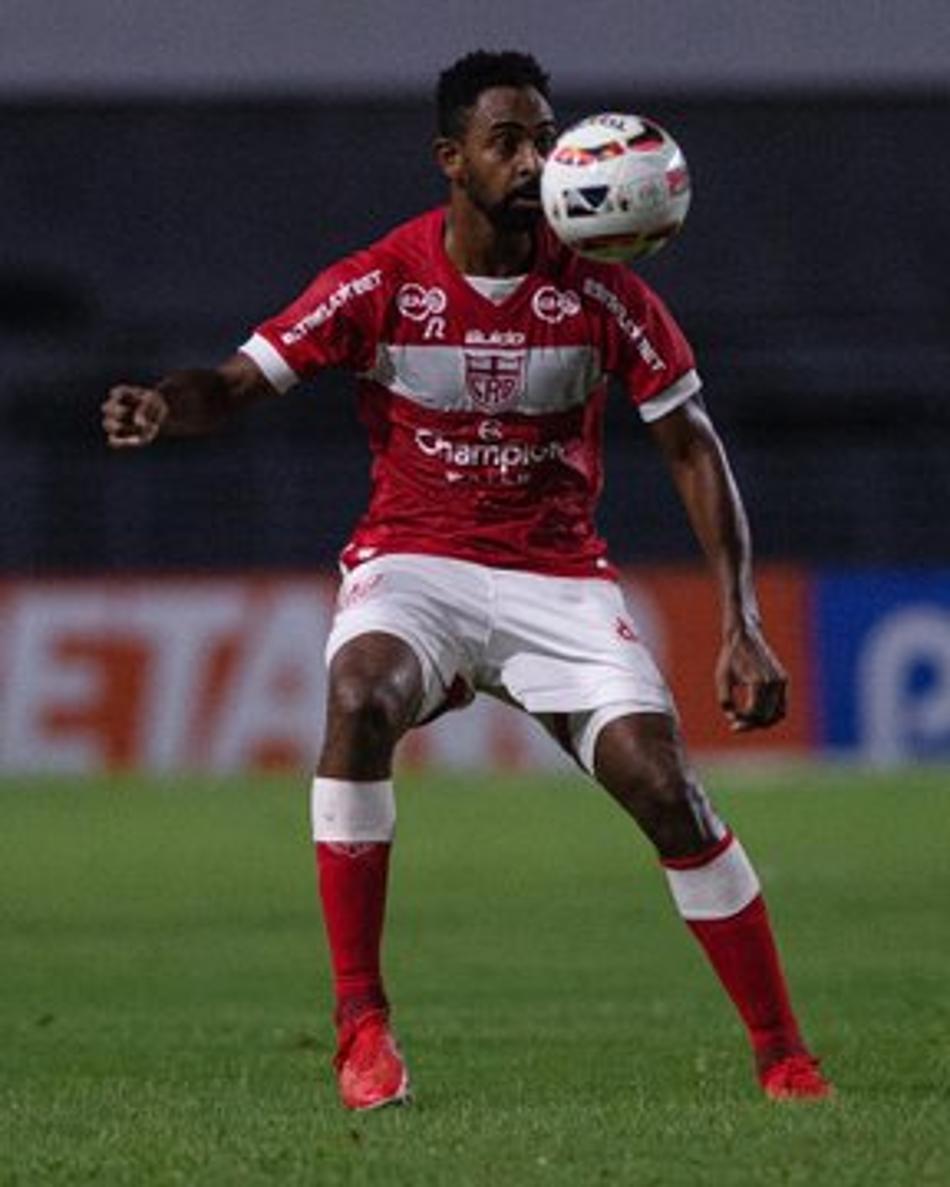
(133, 416)
(751, 684)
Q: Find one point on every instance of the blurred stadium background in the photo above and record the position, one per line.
(172, 173)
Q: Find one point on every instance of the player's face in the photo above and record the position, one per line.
(497, 162)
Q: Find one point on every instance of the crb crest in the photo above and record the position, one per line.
(495, 379)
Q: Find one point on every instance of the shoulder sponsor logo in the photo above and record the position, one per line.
(554, 305)
(339, 297)
(495, 379)
(626, 321)
(418, 303)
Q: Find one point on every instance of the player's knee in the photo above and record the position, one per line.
(375, 710)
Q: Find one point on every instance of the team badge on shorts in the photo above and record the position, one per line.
(358, 590)
(495, 380)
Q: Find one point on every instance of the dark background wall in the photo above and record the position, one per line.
(354, 47)
(142, 235)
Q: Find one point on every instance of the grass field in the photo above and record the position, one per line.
(163, 997)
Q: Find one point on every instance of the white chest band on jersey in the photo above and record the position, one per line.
(716, 890)
(349, 812)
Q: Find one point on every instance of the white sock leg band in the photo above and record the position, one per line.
(351, 812)
(716, 890)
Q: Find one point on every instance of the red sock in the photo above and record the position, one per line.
(742, 951)
(352, 880)
(725, 911)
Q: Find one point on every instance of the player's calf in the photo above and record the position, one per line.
(717, 892)
(353, 825)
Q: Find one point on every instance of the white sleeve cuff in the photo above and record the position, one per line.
(274, 367)
(670, 397)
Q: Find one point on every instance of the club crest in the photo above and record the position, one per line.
(495, 380)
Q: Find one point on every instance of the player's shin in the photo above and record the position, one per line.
(718, 894)
(353, 826)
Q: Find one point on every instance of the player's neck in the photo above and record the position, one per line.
(477, 248)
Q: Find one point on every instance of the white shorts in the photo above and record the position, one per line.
(551, 645)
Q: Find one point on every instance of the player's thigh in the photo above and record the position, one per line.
(641, 760)
(640, 750)
(400, 631)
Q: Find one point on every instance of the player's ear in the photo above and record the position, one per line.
(448, 156)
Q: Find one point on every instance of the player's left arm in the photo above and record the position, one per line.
(751, 683)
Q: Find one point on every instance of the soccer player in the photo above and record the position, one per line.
(483, 349)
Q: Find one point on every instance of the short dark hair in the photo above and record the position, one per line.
(461, 84)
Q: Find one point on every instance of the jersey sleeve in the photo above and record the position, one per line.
(645, 347)
(333, 323)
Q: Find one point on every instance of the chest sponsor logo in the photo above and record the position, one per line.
(418, 303)
(505, 338)
(554, 305)
(495, 379)
(493, 459)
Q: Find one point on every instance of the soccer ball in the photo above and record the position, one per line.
(615, 187)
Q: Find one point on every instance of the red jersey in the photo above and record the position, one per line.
(484, 417)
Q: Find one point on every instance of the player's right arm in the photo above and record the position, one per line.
(184, 403)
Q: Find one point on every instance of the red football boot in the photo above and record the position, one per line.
(796, 1077)
(370, 1069)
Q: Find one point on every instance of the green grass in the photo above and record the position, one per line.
(164, 1006)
